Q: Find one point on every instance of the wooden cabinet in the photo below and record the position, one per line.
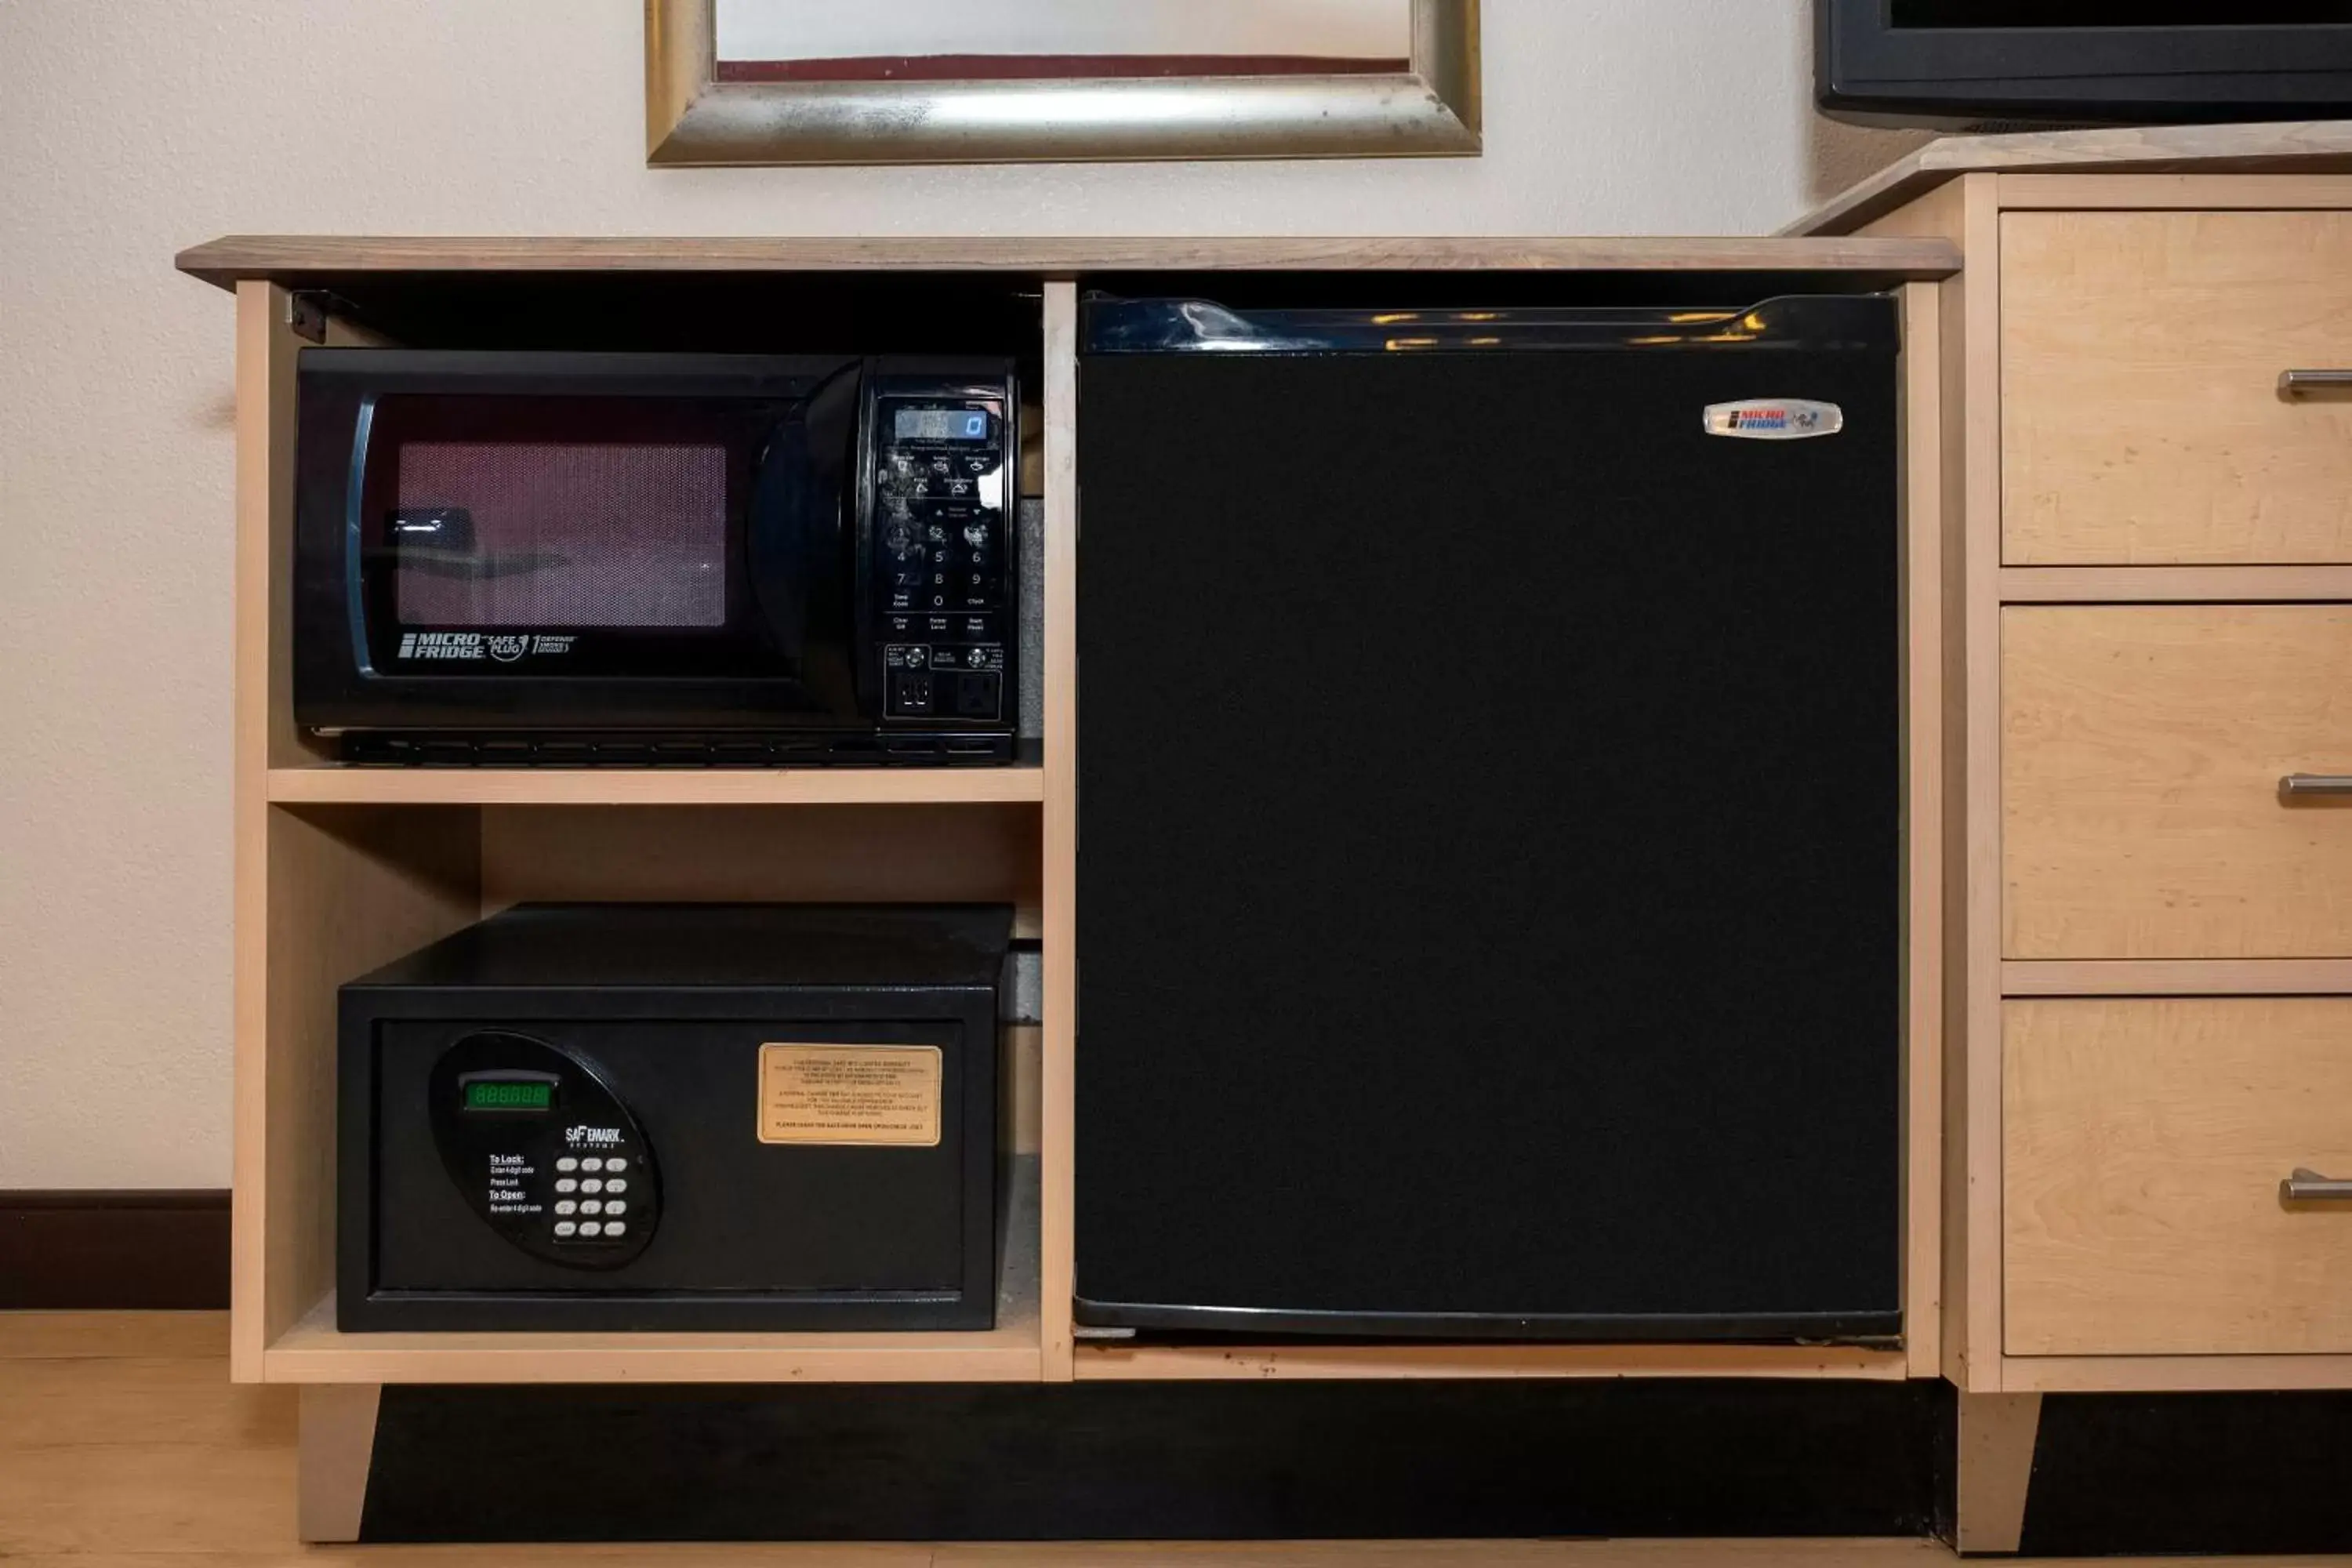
(2144, 1142)
(2149, 627)
(2142, 747)
(2142, 418)
(2148, 623)
(340, 868)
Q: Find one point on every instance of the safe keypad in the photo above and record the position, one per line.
(589, 1205)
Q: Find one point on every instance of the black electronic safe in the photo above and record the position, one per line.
(684, 1117)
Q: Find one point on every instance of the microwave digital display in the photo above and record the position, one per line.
(940, 425)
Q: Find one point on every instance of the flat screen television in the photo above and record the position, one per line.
(1962, 61)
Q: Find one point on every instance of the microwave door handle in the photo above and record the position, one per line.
(775, 554)
(800, 533)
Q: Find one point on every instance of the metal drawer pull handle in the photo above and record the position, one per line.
(2293, 383)
(2300, 787)
(2308, 1186)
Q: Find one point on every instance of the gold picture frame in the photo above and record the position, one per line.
(692, 118)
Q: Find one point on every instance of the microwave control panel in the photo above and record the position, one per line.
(945, 479)
(544, 1151)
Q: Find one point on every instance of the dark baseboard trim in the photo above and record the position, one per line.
(133, 1250)
(1247, 1460)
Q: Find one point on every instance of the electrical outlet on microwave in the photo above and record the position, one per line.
(911, 693)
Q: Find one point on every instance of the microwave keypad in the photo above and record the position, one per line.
(940, 510)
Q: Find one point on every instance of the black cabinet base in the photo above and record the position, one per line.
(1155, 1461)
(2163, 1474)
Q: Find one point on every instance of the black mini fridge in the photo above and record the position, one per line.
(1490, 765)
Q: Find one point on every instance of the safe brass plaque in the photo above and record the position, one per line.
(850, 1094)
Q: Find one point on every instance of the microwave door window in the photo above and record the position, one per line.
(498, 535)
(527, 543)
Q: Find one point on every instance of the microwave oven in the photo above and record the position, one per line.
(640, 558)
(733, 1117)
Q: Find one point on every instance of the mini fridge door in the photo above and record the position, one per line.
(1490, 779)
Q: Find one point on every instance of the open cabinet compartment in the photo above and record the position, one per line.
(341, 869)
(833, 319)
(351, 887)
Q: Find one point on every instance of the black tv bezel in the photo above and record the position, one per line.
(1865, 66)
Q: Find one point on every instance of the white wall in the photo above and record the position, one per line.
(131, 128)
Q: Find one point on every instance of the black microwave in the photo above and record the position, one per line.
(630, 558)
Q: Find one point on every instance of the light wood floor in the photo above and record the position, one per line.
(122, 1445)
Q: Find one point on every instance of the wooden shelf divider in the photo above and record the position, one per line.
(1435, 1359)
(306, 260)
(655, 786)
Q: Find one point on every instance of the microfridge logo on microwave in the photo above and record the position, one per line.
(504, 646)
(441, 645)
(1785, 419)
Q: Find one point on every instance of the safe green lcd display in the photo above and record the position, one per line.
(492, 1095)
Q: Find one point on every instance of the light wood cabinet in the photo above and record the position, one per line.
(2149, 624)
(340, 868)
(2128, 612)
(2142, 416)
(2142, 747)
(2144, 1143)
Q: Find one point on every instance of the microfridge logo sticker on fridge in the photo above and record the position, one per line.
(1775, 419)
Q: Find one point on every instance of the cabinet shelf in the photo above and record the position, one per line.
(1438, 1359)
(329, 785)
(315, 1351)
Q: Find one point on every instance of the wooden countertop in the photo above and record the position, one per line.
(2300, 147)
(307, 260)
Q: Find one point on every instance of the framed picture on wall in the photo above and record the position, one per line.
(913, 81)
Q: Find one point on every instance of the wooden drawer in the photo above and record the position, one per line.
(2144, 1143)
(2142, 419)
(2142, 747)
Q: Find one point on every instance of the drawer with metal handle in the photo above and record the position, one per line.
(2177, 781)
(2163, 1190)
(2173, 387)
